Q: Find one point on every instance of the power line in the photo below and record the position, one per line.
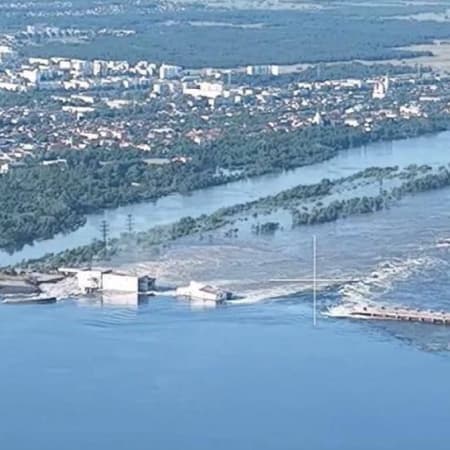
(104, 230)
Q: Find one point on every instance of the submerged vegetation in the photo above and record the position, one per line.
(369, 204)
(326, 208)
(338, 209)
(39, 201)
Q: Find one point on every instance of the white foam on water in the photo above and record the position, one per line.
(341, 310)
(368, 289)
(271, 292)
(168, 293)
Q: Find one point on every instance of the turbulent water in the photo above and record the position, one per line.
(254, 373)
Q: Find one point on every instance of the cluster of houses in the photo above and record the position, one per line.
(80, 104)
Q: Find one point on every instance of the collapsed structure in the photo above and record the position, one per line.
(93, 280)
(205, 292)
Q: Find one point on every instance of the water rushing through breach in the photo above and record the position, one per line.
(253, 373)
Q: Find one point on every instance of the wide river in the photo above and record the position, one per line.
(249, 375)
(432, 150)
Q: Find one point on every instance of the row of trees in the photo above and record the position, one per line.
(338, 209)
(364, 205)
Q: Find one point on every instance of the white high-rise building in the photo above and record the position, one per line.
(32, 75)
(99, 68)
(81, 67)
(167, 72)
(263, 70)
(380, 88)
(203, 89)
(317, 119)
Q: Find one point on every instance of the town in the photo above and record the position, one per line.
(53, 104)
(224, 224)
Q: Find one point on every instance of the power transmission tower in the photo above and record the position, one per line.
(380, 182)
(130, 224)
(419, 71)
(314, 274)
(104, 229)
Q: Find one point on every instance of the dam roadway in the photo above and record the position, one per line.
(375, 312)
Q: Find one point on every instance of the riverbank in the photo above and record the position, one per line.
(380, 255)
(431, 150)
(378, 188)
(86, 185)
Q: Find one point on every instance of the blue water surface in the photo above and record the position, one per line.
(259, 376)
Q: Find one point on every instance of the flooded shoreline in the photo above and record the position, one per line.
(172, 361)
(430, 150)
(383, 254)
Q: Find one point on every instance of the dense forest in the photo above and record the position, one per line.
(39, 201)
(202, 37)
